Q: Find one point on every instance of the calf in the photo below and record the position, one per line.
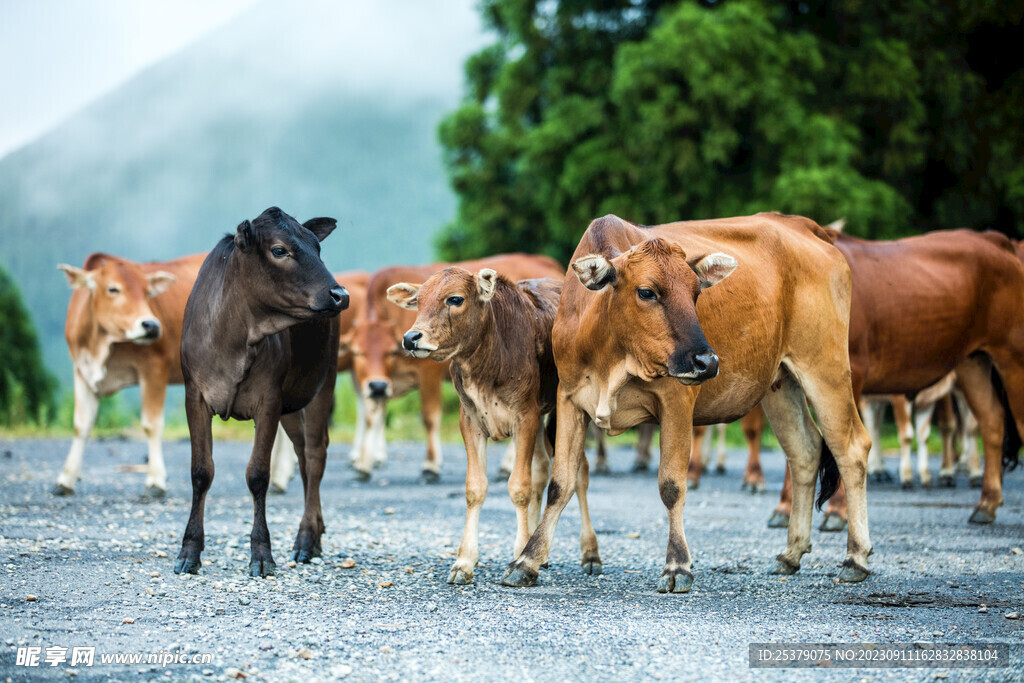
(260, 342)
(497, 335)
(633, 339)
(124, 328)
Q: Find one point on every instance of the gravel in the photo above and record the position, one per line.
(377, 607)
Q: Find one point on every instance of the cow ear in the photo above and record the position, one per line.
(158, 282)
(486, 281)
(405, 295)
(595, 271)
(321, 227)
(77, 277)
(713, 268)
(244, 239)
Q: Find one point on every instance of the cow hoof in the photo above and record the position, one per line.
(304, 555)
(833, 523)
(907, 484)
(154, 491)
(881, 477)
(430, 477)
(778, 520)
(187, 565)
(926, 483)
(601, 469)
(277, 489)
(675, 581)
(519, 576)
(982, 516)
(783, 568)
(362, 476)
(460, 577)
(975, 482)
(754, 486)
(640, 467)
(592, 567)
(852, 573)
(947, 481)
(262, 568)
(692, 485)
(503, 475)
(719, 469)
(61, 490)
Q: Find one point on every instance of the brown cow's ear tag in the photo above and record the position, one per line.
(486, 280)
(595, 271)
(405, 295)
(158, 282)
(77, 277)
(713, 268)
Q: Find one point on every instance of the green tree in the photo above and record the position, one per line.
(26, 387)
(901, 119)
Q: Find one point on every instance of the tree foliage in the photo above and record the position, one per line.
(26, 387)
(901, 118)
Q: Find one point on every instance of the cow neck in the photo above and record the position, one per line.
(497, 347)
(608, 378)
(94, 347)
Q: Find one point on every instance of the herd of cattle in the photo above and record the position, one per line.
(682, 325)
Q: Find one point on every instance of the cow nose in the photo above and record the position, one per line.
(410, 338)
(706, 364)
(339, 295)
(151, 328)
(378, 389)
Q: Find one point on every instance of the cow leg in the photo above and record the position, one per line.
(673, 472)
(948, 430)
(969, 454)
(508, 461)
(153, 387)
(476, 491)
(87, 404)
(430, 410)
(922, 429)
(696, 464)
(590, 559)
(753, 425)
(373, 449)
(720, 430)
(282, 461)
(360, 435)
(539, 476)
(830, 394)
(871, 411)
(644, 440)
(257, 476)
(200, 434)
(601, 461)
(520, 482)
(570, 441)
(316, 417)
(781, 514)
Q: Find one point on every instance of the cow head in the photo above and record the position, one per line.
(119, 293)
(279, 261)
(452, 304)
(653, 290)
(374, 345)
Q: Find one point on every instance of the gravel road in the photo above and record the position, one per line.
(100, 567)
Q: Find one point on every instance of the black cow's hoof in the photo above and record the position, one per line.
(61, 490)
(947, 481)
(852, 572)
(778, 520)
(719, 469)
(362, 476)
(907, 485)
(640, 467)
(601, 469)
(187, 565)
(783, 567)
(832, 523)
(592, 567)
(154, 491)
(975, 481)
(981, 516)
(675, 581)
(519, 576)
(262, 568)
(303, 555)
(430, 477)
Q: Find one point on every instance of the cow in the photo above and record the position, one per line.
(924, 306)
(283, 458)
(645, 332)
(124, 328)
(383, 371)
(497, 336)
(260, 342)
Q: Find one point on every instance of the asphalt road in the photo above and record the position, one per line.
(100, 567)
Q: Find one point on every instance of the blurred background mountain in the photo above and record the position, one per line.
(322, 108)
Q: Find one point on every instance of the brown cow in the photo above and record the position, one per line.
(383, 371)
(124, 328)
(283, 458)
(260, 342)
(497, 335)
(629, 342)
(924, 306)
(753, 478)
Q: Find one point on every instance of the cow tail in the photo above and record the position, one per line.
(1011, 437)
(549, 431)
(828, 475)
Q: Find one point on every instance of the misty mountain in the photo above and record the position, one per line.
(321, 108)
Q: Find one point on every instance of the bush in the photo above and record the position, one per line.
(26, 387)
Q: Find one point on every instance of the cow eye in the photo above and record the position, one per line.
(113, 290)
(646, 294)
(279, 252)
(454, 300)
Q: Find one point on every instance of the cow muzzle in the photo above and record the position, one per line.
(378, 389)
(412, 342)
(145, 331)
(697, 368)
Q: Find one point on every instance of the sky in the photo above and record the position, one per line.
(57, 56)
